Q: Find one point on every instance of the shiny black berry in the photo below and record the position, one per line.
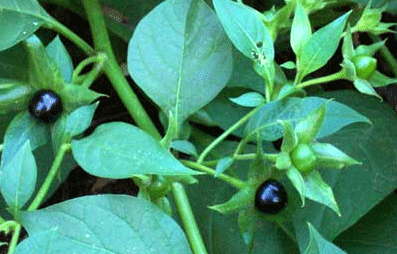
(270, 197)
(46, 106)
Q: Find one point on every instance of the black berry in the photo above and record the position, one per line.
(45, 105)
(270, 197)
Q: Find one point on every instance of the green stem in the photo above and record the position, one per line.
(338, 75)
(224, 135)
(187, 216)
(113, 71)
(387, 55)
(14, 239)
(249, 156)
(230, 180)
(64, 148)
(60, 28)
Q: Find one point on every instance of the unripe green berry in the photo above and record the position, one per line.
(304, 158)
(365, 66)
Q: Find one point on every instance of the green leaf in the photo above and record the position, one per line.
(319, 245)
(245, 28)
(14, 95)
(380, 80)
(301, 30)
(297, 180)
(247, 225)
(320, 47)
(82, 225)
(44, 72)
(359, 187)
(241, 200)
(308, 128)
(57, 51)
(318, 190)
(289, 65)
(183, 65)
(18, 178)
(251, 99)
(223, 164)
(348, 47)
(290, 140)
(118, 150)
(14, 63)
(75, 96)
(22, 128)
(184, 147)
(380, 236)
(331, 157)
(73, 124)
(294, 109)
(19, 20)
(364, 86)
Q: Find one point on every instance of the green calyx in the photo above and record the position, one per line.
(159, 187)
(365, 66)
(304, 158)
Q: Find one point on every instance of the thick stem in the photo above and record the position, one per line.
(187, 216)
(113, 71)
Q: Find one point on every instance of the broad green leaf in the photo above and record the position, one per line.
(14, 95)
(246, 29)
(14, 63)
(223, 164)
(18, 178)
(319, 191)
(184, 147)
(103, 224)
(379, 235)
(57, 51)
(119, 150)
(320, 47)
(19, 20)
(250, 99)
(122, 16)
(319, 245)
(294, 109)
(22, 128)
(243, 75)
(301, 31)
(180, 56)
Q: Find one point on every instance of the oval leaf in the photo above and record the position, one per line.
(19, 19)
(179, 55)
(321, 47)
(18, 178)
(245, 29)
(119, 150)
(251, 99)
(102, 225)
